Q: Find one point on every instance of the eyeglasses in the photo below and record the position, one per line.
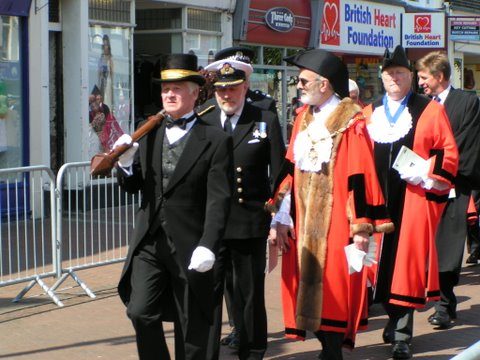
(305, 82)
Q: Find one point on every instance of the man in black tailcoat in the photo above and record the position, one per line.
(183, 170)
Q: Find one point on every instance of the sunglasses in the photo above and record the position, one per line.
(305, 82)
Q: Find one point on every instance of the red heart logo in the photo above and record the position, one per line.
(330, 33)
(422, 21)
(330, 14)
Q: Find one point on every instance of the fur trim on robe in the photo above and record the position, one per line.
(315, 198)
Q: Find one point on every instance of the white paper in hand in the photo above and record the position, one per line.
(407, 159)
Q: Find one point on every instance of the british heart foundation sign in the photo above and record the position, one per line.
(360, 27)
(424, 30)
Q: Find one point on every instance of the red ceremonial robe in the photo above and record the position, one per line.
(407, 272)
(330, 205)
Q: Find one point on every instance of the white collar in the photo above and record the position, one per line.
(443, 95)
(175, 133)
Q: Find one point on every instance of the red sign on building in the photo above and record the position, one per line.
(261, 31)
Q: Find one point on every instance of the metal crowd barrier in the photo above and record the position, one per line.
(95, 219)
(55, 227)
(27, 228)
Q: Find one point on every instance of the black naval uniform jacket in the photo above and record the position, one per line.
(195, 203)
(257, 159)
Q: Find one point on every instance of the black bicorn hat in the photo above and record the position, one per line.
(239, 53)
(180, 67)
(397, 58)
(325, 64)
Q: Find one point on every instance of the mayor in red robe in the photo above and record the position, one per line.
(333, 193)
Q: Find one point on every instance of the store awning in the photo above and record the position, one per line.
(15, 7)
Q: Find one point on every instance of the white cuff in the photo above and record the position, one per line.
(283, 214)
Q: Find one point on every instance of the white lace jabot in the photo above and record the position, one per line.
(382, 131)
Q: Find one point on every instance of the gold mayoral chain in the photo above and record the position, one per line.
(313, 154)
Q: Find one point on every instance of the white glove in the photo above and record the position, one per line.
(357, 258)
(415, 174)
(202, 259)
(126, 159)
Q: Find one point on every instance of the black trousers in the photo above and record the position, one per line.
(248, 261)
(473, 230)
(160, 290)
(400, 322)
(450, 241)
(332, 343)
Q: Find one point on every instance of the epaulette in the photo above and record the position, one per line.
(207, 110)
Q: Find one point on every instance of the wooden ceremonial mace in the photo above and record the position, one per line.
(102, 164)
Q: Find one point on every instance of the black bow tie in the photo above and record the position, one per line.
(181, 123)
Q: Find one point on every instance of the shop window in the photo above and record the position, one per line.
(365, 72)
(201, 45)
(107, 10)
(203, 20)
(158, 19)
(54, 11)
(11, 102)
(109, 63)
(272, 56)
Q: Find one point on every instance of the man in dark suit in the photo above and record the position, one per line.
(183, 170)
(264, 102)
(258, 152)
(463, 110)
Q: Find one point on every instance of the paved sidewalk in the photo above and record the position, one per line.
(98, 328)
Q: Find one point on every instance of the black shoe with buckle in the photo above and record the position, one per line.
(229, 338)
(441, 319)
(401, 350)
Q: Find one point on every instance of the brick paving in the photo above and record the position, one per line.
(88, 328)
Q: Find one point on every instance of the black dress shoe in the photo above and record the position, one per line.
(401, 350)
(440, 319)
(234, 343)
(228, 339)
(473, 258)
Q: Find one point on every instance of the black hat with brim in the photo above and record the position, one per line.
(397, 58)
(180, 67)
(239, 53)
(325, 64)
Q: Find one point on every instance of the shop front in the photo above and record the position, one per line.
(13, 103)
(464, 44)
(275, 31)
(13, 83)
